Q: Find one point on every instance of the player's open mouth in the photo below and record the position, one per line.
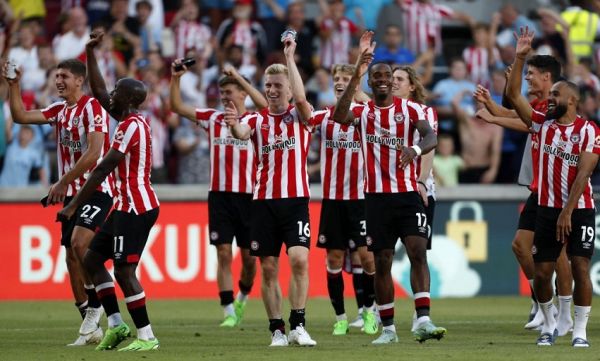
(551, 106)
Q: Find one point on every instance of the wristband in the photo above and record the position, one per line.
(417, 149)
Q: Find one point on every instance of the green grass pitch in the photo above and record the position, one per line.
(482, 328)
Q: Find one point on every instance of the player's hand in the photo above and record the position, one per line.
(57, 194)
(230, 70)
(289, 47)
(507, 72)
(407, 156)
(365, 42)
(423, 192)
(524, 39)
(177, 73)
(66, 213)
(231, 115)
(482, 95)
(488, 177)
(563, 226)
(485, 115)
(96, 37)
(16, 79)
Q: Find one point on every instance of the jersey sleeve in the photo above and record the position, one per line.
(357, 112)
(126, 136)
(415, 113)
(537, 120)
(250, 120)
(319, 117)
(51, 111)
(432, 119)
(592, 141)
(96, 116)
(203, 116)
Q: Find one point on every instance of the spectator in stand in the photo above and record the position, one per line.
(271, 14)
(125, 30)
(307, 31)
(150, 33)
(551, 41)
(336, 33)
(583, 75)
(156, 16)
(446, 164)
(6, 19)
(390, 14)
(192, 86)
(25, 56)
(234, 55)
(72, 43)
(445, 91)
(28, 9)
(423, 21)
(190, 34)
(584, 26)
(193, 154)
(512, 22)
(324, 89)
(218, 11)
(364, 13)
(481, 144)
(97, 10)
(483, 55)
(155, 109)
(22, 158)
(588, 105)
(392, 51)
(240, 29)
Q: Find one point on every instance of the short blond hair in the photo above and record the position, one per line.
(275, 69)
(347, 69)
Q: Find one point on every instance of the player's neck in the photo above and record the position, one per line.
(384, 102)
(278, 108)
(74, 99)
(567, 118)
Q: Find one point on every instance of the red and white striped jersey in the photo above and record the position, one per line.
(232, 167)
(336, 48)
(134, 190)
(384, 131)
(342, 165)
(423, 25)
(540, 106)
(191, 35)
(281, 147)
(72, 126)
(432, 119)
(478, 64)
(560, 148)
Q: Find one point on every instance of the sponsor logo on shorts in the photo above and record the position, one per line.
(351, 244)
(424, 231)
(118, 255)
(214, 236)
(254, 245)
(587, 245)
(322, 239)
(369, 240)
(302, 239)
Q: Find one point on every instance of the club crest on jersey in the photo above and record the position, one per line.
(575, 138)
(119, 135)
(399, 117)
(76, 121)
(287, 118)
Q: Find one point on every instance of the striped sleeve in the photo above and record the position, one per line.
(250, 120)
(592, 141)
(537, 120)
(52, 110)
(96, 116)
(203, 117)
(415, 112)
(126, 136)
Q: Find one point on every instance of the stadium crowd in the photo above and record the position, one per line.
(146, 35)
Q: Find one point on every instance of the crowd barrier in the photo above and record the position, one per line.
(473, 229)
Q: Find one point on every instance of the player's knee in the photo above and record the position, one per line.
(123, 274)
(383, 259)
(335, 260)
(79, 247)
(224, 257)
(299, 264)
(269, 271)
(517, 247)
(249, 263)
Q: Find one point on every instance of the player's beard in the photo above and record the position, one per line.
(558, 111)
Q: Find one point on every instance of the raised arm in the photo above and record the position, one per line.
(342, 112)
(17, 109)
(513, 123)
(257, 97)
(106, 166)
(513, 88)
(177, 104)
(585, 166)
(97, 85)
(302, 105)
(482, 95)
(238, 130)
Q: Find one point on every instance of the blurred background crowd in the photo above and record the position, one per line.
(454, 45)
